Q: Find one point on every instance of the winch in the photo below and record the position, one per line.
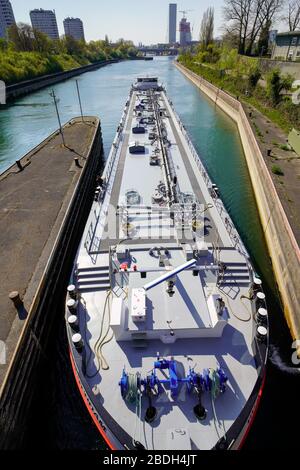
(211, 380)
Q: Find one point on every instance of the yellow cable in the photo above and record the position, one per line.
(246, 320)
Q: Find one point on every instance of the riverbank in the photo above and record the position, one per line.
(23, 88)
(29, 86)
(44, 208)
(281, 241)
(249, 81)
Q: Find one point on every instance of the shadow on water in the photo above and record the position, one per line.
(59, 410)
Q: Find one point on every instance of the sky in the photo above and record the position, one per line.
(143, 21)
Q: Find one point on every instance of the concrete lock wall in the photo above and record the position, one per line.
(30, 357)
(286, 67)
(282, 245)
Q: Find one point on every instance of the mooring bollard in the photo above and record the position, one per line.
(16, 299)
(76, 160)
(19, 165)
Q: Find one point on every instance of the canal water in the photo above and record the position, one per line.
(59, 410)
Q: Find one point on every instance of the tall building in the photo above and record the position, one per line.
(185, 32)
(74, 28)
(7, 17)
(172, 22)
(45, 21)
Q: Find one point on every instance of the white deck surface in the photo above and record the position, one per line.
(186, 310)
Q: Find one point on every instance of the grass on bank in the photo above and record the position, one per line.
(276, 170)
(240, 77)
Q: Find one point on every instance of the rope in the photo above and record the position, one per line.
(87, 343)
(134, 396)
(245, 320)
(102, 339)
(101, 342)
(215, 392)
(217, 249)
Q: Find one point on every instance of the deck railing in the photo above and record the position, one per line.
(107, 173)
(232, 232)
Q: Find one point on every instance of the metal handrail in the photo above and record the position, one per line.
(112, 266)
(107, 175)
(232, 232)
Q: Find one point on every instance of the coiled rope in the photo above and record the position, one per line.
(215, 392)
(102, 339)
(134, 397)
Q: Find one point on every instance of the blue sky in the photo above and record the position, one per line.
(139, 20)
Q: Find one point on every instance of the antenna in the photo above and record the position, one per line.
(52, 94)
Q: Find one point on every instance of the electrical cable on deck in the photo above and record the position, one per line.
(217, 254)
(245, 320)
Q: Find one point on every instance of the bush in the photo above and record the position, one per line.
(277, 170)
(242, 74)
(254, 77)
(210, 55)
(284, 147)
(29, 54)
(20, 66)
(276, 83)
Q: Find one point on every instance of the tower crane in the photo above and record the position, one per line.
(185, 12)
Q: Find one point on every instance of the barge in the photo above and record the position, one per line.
(166, 318)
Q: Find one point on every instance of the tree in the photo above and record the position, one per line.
(264, 12)
(263, 42)
(230, 40)
(276, 83)
(3, 45)
(73, 47)
(254, 77)
(42, 43)
(237, 14)
(292, 18)
(248, 18)
(207, 27)
(22, 36)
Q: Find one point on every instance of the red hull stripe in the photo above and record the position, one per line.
(96, 422)
(254, 413)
